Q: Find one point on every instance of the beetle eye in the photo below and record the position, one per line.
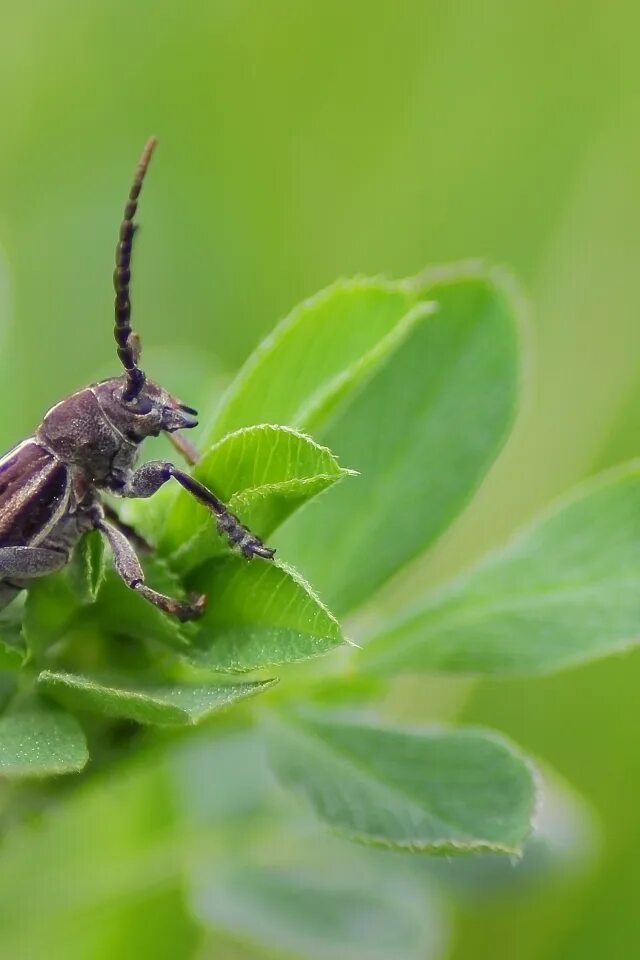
(140, 406)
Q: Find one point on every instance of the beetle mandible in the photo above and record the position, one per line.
(50, 484)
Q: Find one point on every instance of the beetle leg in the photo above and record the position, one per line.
(137, 541)
(228, 524)
(151, 476)
(128, 567)
(25, 563)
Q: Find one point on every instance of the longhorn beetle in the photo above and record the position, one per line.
(50, 484)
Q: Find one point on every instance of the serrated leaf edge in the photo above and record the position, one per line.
(63, 678)
(191, 658)
(470, 845)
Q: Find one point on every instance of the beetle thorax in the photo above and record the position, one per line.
(78, 433)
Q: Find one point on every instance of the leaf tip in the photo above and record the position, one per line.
(352, 643)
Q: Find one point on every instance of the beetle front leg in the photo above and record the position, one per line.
(151, 476)
(128, 567)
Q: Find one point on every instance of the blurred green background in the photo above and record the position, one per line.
(300, 142)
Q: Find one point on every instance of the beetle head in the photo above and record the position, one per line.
(152, 411)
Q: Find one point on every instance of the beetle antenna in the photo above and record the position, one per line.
(127, 341)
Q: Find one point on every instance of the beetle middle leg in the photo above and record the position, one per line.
(152, 475)
(137, 541)
(129, 569)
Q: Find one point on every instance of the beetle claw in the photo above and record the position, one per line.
(255, 548)
(191, 609)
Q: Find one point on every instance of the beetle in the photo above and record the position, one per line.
(88, 444)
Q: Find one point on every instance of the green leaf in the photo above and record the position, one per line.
(318, 915)
(221, 780)
(183, 704)
(566, 590)
(8, 687)
(87, 567)
(438, 792)
(12, 654)
(564, 840)
(50, 607)
(263, 474)
(260, 613)
(118, 832)
(422, 433)
(319, 353)
(52, 602)
(40, 743)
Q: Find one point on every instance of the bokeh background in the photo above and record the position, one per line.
(302, 141)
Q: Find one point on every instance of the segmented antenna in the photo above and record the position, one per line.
(127, 341)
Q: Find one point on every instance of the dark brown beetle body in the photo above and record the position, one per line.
(50, 484)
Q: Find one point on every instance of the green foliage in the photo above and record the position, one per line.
(40, 743)
(169, 704)
(260, 614)
(314, 914)
(318, 355)
(422, 433)
(87, 568)
(444, 792)
(564, 592)
(415, 385)
(11, 656)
